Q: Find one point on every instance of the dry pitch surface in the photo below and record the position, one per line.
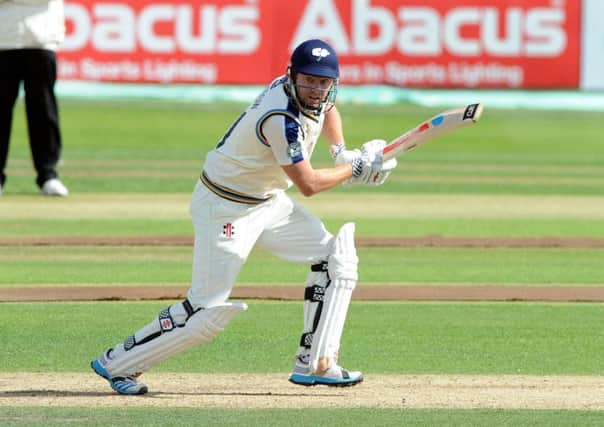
(274, 391)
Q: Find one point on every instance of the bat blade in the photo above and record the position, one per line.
(438, 125)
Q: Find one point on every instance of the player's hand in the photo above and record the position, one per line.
(364, 168)
(369, 167)
(341, 155)
(384, 173)
(374, 147)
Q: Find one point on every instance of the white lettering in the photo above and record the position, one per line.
(67, 69)
(455, 21)
(351, 73)
(238, 30)
(421, 34)
(149, 70)
(438, 75)
(472, 75)
(372, 73)
(115, 30)
(80, 21)
(425, 74)
(320, 19)
(118, 70)
(471, 31)
(169, 71)
(546, 38)
(206, 40)
(164, 28)
(151, 41)
(365, 18)
(510, 44)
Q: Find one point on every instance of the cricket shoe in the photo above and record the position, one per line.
(54, 187)
(123, 385)
(334, 376)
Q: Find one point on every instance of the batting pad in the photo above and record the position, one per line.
(342, 267)
(200, 328)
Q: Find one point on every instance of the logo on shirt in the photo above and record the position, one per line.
(320, 53)
(228, 230)
(294, 150)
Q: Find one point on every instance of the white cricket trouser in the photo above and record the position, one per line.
(226, 232)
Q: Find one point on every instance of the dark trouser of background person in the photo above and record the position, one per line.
(37, 69)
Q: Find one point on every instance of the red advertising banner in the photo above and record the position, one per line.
(411, 43)
(174, 41)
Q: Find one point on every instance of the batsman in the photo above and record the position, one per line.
(240, 202)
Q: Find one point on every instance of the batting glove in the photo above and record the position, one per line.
(370, 168)
(341, 155)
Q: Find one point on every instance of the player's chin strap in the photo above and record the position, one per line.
(328, 292)
(176, 329)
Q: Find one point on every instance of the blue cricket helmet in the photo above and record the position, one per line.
(317, 58)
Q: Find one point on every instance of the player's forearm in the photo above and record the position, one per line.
(312, 181)
(324, 179)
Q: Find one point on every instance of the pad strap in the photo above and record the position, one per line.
(166, 323)
(322, 266)
(315, 293)
(306, 339)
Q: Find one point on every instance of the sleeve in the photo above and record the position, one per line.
(283, 132)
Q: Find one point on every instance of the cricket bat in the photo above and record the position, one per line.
(438, 125)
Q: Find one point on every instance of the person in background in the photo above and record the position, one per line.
(30, 32)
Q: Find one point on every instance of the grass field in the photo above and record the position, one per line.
(413, 338)
(158, 148)
(131, 167)
(70, 265)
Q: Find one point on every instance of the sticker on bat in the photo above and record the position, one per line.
(470, 111)
(437, 120)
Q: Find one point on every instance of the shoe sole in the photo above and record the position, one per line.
(101, 372)
(310, 381)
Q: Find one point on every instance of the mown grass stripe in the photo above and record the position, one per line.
(340, 205)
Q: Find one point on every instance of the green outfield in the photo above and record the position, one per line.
(278, 417)
(412, 338)
(71, 266)
(155, 147)
(131, 166)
